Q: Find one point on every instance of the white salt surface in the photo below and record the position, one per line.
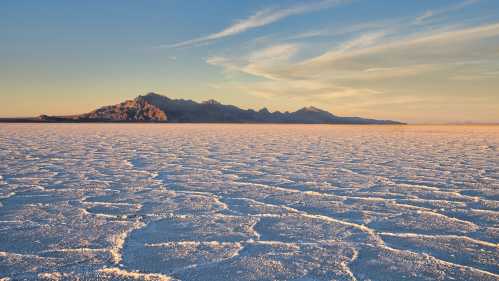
(248, 202)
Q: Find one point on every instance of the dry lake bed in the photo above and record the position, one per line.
(248, 202)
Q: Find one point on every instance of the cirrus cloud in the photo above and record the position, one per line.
(259, 19)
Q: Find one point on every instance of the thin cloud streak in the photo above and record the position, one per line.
(433, 13)
(466, 34)
(259, 19)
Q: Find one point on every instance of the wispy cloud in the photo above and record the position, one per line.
(257, 63)
(438, 12)
(259, 19)
(369, 56)
(374, 69)
(343, 30)
(418, 44)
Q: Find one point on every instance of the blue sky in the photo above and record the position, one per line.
(415, 61)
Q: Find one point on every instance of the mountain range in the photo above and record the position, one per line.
(161, 109)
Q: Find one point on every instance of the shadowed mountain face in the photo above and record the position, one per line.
(157, 108)
(133, 110)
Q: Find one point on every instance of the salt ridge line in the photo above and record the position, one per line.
(416, 235)
(442, 261)
(129, 274)
(118, 241)
(346, 266)
(6, 254)
(255, 242)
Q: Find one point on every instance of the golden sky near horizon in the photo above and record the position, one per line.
(434, 62)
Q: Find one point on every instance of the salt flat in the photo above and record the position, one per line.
(248, 202)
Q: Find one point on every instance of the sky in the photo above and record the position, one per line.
(425, 61)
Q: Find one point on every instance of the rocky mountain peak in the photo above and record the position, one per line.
(312, 109)
(130, 110)
(212, 102)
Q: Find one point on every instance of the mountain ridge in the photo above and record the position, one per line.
(155, 108)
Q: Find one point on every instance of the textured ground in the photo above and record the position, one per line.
(248, 202)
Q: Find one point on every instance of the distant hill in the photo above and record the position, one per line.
(157, 108)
